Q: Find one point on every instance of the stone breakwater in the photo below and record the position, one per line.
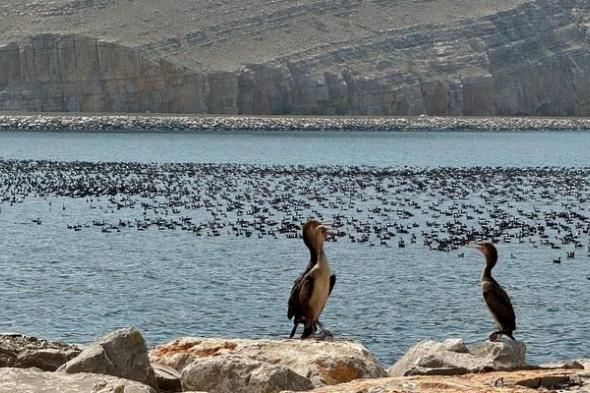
(122, 362)
(253, 123)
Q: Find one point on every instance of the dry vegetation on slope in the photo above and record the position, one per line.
(224, 34)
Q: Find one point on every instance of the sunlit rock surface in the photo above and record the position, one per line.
(453, 357)
(523, 381)
(17, 380)
(221, 365)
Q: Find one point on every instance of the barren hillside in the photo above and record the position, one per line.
(283, 56)
(223, 34)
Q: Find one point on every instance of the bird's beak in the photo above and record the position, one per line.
(475, 245)
(328, 229)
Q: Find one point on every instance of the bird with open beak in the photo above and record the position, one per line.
(312, 289)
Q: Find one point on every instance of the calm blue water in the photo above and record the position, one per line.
(308, 148)
(60, 283)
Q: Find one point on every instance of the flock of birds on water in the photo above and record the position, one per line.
(442, 209)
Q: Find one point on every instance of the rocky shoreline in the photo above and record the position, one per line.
(138, 123)
(121, 362)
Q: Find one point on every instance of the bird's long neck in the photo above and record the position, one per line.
(486, 274)
(313, 255)
(321, 258)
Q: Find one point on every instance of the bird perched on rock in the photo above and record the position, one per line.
(495, 296)
(305, 293)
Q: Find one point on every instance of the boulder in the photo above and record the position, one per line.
(453, 357)
(233, 374)
(585, 363)
(565, 364)
(122, 353)
(167, 378)
(321, 362)
(17, 380)
(17, 350)
(550, 382)
(501, 355)
(519, 381)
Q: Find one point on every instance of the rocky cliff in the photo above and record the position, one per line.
(76, 73)
(312, 57)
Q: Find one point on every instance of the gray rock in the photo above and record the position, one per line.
(17, 350)
(93, 359)
(549, 382)
(122, 353)
(168, 379)
(453, 357)
(17, 380)
(565, 364)
(238, 375)
(502, 355)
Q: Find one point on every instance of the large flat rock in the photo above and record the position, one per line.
(522, 381)
(16, 380)
(325, 362)
(453, 357)
(233, 374)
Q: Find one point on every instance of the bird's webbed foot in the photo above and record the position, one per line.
(326, 333)
(493, 336)
(323, 331)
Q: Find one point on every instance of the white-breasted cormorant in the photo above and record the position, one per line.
(295, 309)
(316, 284)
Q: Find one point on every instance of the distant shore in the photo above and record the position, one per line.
(170, 122)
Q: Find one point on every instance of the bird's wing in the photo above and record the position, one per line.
(306, 290)
(294, 305)
(332, 283)
(499, 304)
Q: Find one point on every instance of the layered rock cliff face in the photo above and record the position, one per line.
(82, 74)
(533, 59)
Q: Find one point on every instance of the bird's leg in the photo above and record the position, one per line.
(323, 331)
(507, 333)
(308, 331)
(494, 336)
(294, 330)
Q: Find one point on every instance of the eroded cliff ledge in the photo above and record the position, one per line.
(532, 59)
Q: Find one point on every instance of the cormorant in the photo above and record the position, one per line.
(316, 284)
(295, 309)
(495, 296)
